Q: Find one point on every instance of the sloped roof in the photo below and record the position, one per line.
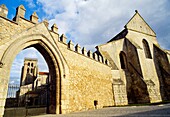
(121, 35)
(137, 23)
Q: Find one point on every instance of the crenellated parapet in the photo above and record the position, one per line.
(71, 45)
(20, 14)
(54, 28)
(63, 38)
(77, 49)
(90, 54)
(46, 22)
(34, 17)
(84, 52)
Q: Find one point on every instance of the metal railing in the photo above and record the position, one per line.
(36, 97)
(12, 90)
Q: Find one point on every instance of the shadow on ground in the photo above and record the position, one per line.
(158, 112)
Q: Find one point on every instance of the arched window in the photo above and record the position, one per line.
(123, 61)
(146, 49)
(32, 70)
(28, 70)
(29, 64)
(32, 64)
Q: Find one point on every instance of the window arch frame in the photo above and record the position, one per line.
(123, 60)
(28, 63)
(146, 49)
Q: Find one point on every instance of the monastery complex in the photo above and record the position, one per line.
(131, 68)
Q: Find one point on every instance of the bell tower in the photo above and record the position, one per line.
(29, 71)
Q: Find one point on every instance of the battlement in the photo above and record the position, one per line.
(92, 55)
(20, 13)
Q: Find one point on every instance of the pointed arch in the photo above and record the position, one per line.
(146, 49)
(52, 57)
(123, 60)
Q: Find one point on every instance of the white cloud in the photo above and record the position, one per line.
(12, 82)
(92, 22)
(31, 3)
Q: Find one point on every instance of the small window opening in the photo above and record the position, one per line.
(28, 70)
(146, 49)
(122, 60)
(32, 64)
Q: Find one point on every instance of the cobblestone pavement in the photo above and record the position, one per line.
(139, 111)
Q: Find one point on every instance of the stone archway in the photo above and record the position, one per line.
(52, 56)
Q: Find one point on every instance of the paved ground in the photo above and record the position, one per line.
(139, 111)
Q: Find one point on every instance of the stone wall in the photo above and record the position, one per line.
(162, 68)
(112, 50)
(89, 80)
(147, 65)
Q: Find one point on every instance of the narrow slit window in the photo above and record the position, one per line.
(146, 49)
(123, 60)
(28, 70)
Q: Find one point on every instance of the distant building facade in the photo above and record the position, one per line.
(33, 86)
(130, 68)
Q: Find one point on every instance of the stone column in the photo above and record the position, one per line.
(4, 78)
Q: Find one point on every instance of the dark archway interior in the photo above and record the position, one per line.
(51, 107)
(123, 60)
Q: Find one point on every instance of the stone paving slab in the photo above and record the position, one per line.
(140, 111)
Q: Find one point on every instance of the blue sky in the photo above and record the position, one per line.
(94, 22)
